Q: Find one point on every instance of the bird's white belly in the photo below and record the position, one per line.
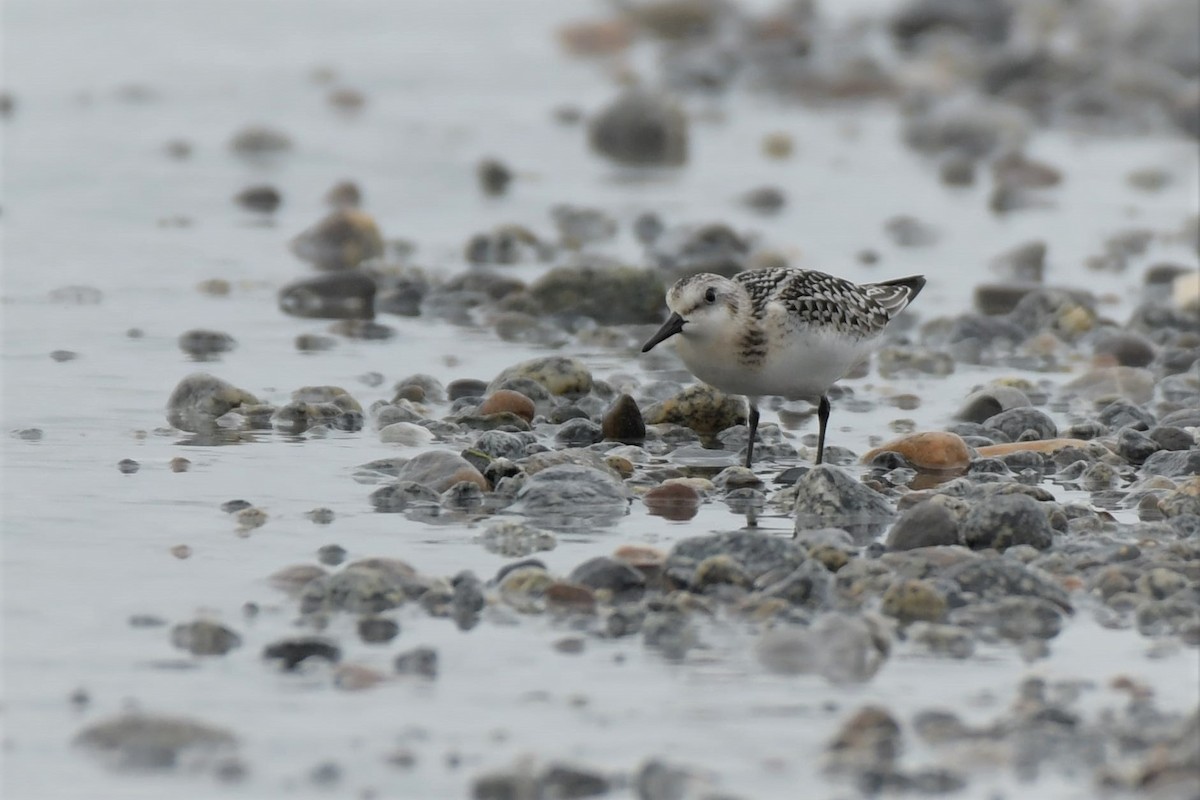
(799, 368)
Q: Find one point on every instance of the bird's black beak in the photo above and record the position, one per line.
(672, 326)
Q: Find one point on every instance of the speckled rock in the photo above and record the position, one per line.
(1005, 521)
(623, 421)
(406, 433)
(578, 432)
(757, 553)
(516, 539)
(571, 496)
(343, 295)
(641, 129)
(926, 524)
(369, 586)
(402, 495)
(839, 647)
(829, 496)
(1017, 423)
(199, 399)
(914, 600)
(420, 661)
(869, 741)
(1120, 414)
(1173, 463)
(609, 294)
(700, 407)
(986, 403)
(933, 451)
(557, 374)
(148, 741)
(996, 578)
(809, 585)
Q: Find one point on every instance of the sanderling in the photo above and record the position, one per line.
(787, 332)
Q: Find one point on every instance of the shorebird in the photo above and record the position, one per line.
(787, 332)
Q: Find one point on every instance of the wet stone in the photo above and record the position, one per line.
(828, 496)
(205, 638)
(145, 741)
(1121, 415)
(570, 496)
(1135, 446)
(1113, 383)
(127, 466)
(641, 129)
(810, 585)
(1173, 463)
(258, 140)
(349, 294)
(200, 399)
(933, 451)
(926, 524)
(420, 661)
(493, 176)
(402, 495)
(578, 433)
(1169, 437)
(292, 652)
(262, 198)
(362, 588)
(757, 553)
(438, 470)
(913, 601)
(671, 633)
(843, 649)
(998, 578)
(581, 226)
(626, 583)
(556, 374)
(673, 501)
(377, 630)
(331, 555)
(1016, 422)
(342, 240)
(987, 403)
(952, 641)
(467, 387)
(623, 421)
(516, 539)
(700, 407)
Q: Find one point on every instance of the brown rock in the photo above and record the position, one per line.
(673, 501)
(570, 597)
(1040, 446)
(506, 400)
(623, 421)
(936, 451)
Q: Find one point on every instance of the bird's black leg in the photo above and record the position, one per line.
(823, 419)
(753, 428)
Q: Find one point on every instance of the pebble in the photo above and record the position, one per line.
(841, 648)
(377, 630)
(349, 294)
(1024, 263)
(256, 141)
(406, 433)
(700, 407)
(293, 652)
(205, 344)
(438, 470)
(199, 399)
(927, 524)
(758, 554)
(623, 421)
(571, 496)
(1105, 384)
(623, 582)
(829, 496)
(140, 741)
(127, 466)
(932, 451)
(342, 240)
(558, 375)
(1023, 424)
(673, 501)
(420, 661)
(987, 403)
(205, 638)
(641, 129)
(261, 198)
(515, 539)
(610, 294)
(914, 601)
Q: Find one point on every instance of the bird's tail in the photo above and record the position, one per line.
(895, 295)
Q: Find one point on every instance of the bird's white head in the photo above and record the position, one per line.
(702, 307)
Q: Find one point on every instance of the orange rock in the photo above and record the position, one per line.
(507, 400)
(596, 38)
(570, 596)
(1040, 446)
(932, 450)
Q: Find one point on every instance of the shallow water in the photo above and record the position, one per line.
(85, 547)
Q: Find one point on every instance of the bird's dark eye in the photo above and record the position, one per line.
(710, 295)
